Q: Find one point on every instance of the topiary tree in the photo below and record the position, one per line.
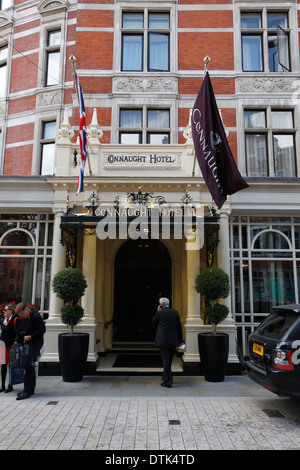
(69, 284)
(214, 284)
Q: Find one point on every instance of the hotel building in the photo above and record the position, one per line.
(141, 65)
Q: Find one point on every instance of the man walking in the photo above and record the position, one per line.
(31, 328)
(168, 337)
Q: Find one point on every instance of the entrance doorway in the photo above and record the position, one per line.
(143, 274)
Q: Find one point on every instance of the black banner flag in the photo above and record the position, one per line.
(212, 150)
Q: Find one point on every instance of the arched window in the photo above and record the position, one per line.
(271, 240)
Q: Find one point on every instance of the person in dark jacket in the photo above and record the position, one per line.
(168, 337)
(31, 327)
(8, 333)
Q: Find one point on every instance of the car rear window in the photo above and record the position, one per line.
(277, 324)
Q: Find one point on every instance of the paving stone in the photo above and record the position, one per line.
(133, 413)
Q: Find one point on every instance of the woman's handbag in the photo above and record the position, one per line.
(21, 356)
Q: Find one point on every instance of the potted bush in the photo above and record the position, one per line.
(69, 284)
(213, 284)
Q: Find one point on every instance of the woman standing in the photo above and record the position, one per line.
(8, 335)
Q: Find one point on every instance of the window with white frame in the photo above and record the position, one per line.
(48, 147)
(270, 142)
(25, 258)
(265, 41)
(53, 57)
(5, 4)
(145, 38)
(3, 70)
(265, 263)
(144, 125)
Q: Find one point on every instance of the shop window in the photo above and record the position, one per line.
(145, 41)
(265, 258)
(270, 143)
(25, 258)
(265, 41)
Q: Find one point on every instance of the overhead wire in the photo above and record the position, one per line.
(34, 63)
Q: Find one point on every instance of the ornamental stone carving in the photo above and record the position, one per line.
(6, 20)
(48, 98)
(145, 85)
(265, 85)
(94, 132)
(65, 133)
(48, 7)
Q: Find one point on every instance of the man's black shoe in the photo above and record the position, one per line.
(9, 389)
(23, 395)
(164, 385)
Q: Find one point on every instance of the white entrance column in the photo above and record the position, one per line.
(58, 263)
(223, 260)
(54, 325)
(88, 323)
(193, 319)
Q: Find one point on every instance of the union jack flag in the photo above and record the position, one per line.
(82, 135)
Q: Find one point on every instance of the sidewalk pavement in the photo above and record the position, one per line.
(134, 413)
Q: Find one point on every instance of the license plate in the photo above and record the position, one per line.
(258, 349)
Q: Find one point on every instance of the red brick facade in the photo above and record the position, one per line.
(204, 27)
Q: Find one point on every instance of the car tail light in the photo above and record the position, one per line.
(283, 360)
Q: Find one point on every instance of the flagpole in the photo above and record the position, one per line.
(206, 62)
(72, 59)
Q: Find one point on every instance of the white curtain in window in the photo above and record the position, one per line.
(256, 155)
(48, 152)
(132, 53)
(158, 52)
(6, 4)
(53, 68)
(284, 155)
(252, 53)
(3, 71)
(131, 118)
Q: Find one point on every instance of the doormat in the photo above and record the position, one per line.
(138, 360)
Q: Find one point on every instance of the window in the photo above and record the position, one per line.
(265, 259)
(5, 4)
(53, 58)
(270, 143)
(145, 41)
(144, 125)
(265, 41)
(25, 258)
(48, 148)
(3, 70)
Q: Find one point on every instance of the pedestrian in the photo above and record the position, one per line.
(8, 333)
(168, 337)
(31, 328)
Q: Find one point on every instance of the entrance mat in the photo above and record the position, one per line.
(138, 360)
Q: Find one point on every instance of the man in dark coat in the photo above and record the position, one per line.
(31, 328)
(168, 337)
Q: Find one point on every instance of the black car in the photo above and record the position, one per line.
(274, 352)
